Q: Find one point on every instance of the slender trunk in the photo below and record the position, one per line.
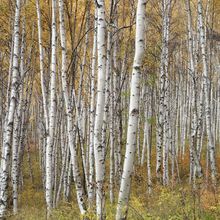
(124, 192)
(69, 113)
(98, 148)
(207, 84)
(52, 113)
(10, 118)
(92, 116)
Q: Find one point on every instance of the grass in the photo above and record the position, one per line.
(177, 202)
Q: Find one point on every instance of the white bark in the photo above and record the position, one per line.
(41, 56)
(194, 126)
(163, 118)
(98, 149)
(17, 127)
(92, 116)
(52, 113)
(133, 112)
(70, 130)
(206, 81)
(10, 118)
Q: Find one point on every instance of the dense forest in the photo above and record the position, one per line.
(110, 109)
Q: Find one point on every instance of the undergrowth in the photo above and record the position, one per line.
(177, 202)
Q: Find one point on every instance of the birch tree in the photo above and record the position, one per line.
(98, 148)
(41, 58)
(206, 82)
(194, 96)
(17, 126)
(69, 112)
(91, 191)
(124, 192)
(52, 113)
(10, 116)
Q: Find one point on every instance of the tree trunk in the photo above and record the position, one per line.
(124, 192)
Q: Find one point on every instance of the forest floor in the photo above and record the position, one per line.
(179, 201)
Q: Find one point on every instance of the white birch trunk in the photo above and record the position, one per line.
(194, 120)
(52, 113)
(69, 109)
(10, 118)
(207, 84)
(124, 192)
(98, 149)
(92, 116)
(17, 127)
(41, 56)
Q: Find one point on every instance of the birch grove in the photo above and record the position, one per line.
(109, 109)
